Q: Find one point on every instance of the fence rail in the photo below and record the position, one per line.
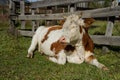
(104, 12)
(98, 39)
(106, 39)
(46, 3)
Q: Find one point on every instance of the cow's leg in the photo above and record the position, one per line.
(74, 58)
(32, 46)
(90, 58)
(60, 59)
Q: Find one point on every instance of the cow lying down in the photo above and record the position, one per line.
(68, 43)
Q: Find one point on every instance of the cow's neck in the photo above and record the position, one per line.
(79, 43)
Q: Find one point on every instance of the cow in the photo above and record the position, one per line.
(47, 39)
(69, 42)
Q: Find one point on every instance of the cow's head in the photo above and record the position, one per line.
(70, 34)
(74, 28)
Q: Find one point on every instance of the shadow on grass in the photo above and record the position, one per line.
(116, 49)
(113, 48)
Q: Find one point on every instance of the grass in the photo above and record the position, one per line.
(99, 28)
(15, 66)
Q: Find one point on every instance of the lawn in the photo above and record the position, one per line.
(15, 66)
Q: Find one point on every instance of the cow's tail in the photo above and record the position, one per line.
(32, 46)
(90, 58)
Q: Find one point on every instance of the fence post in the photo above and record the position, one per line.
(33, 21)
(11, 12)
(73, 8)
(22, 13)
(12, 26)
(37, 23)
(109, 30)
(11, 7)
(110, 25)
(68, 8)
(37, 9)
(56, 7)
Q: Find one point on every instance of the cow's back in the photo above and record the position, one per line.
(40, 32)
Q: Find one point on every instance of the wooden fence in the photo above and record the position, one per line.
(106, 39)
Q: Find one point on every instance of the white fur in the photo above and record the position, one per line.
(74, 58)
(77, 56)
(87, 54)
(71, 33)
(97, 64)
(53, 37)
(94, 61)
(45, 46)
(61, 58)
(81, 22)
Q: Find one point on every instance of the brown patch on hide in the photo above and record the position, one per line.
(57, 47)
(61, 22)
(90, 58)
(56, 57)
(49, 30)
(69, 48)
(87, 42)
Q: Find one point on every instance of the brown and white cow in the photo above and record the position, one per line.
(69, 42)
(47, 39)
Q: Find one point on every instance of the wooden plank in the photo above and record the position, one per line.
(103, 12)
(12, 10)
(117, 8)
(46, 3)
(103, 40)
(97, 39)
(22, 7)
(23, 24)
(10, 4)
(26, 33)
(12, 26)
(109, 28)
(33, 26)
(108, 32)
(60, 16)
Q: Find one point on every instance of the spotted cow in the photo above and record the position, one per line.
(69, 42)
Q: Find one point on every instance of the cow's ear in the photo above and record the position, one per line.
(88, 22)
(61, 22)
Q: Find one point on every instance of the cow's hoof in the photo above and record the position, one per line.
(29, 56)
(105, 68)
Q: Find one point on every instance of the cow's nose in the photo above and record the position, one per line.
(62, 39)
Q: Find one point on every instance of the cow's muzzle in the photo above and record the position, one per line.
(64, 40)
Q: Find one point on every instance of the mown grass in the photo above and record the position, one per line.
(15, 66)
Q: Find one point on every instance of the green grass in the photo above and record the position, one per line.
(99, 28)
(15, 66)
